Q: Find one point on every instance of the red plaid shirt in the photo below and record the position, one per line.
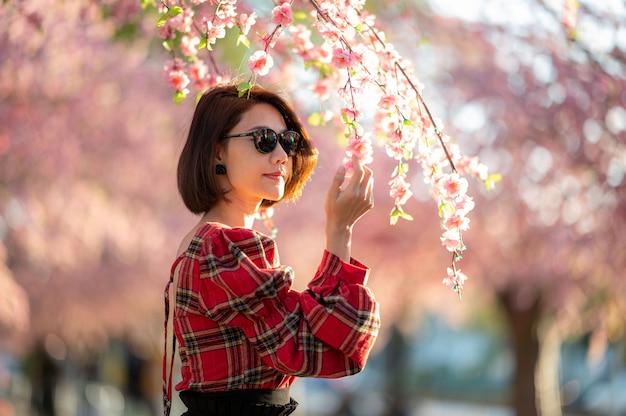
(240, 325)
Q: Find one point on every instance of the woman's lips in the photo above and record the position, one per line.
(275, 176)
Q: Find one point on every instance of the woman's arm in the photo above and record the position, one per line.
(326, 331)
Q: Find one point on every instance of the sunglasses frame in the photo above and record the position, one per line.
(264, 134)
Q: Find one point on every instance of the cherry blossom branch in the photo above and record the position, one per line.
(455, 277)
(354, 59)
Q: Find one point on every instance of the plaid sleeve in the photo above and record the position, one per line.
(341, 310)
(325, 331)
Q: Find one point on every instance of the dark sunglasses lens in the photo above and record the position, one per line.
(265, 140)
(289, 141)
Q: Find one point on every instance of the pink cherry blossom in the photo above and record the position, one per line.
(455, 278)
(246, 21)
(361, 147)
(321, 89)
(351, 114)
(471, 166)
(343, 58)
(323, 53)
(394, 150)
(198, 70)
(400, 190)
(268, 40)
(456, 221)
(464, 204)
(302, 44)
(282, 14)
(226, 14)
(175, 76)
(214, 32)
(189, 45)
(387, 101)
(166, 32)
(351, 94)
(452, 184)
(260, 63)
(328, 32)
(451, 240)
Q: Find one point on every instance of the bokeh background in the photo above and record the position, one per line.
(90, 217)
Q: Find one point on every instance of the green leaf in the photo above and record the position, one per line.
(406, 216)
(179, 96)
(203, 42)
(349, 122)
(243, 88)
(490, 182)
(325, 70)
(398, 213)
(309, 64)
(162, 20)
(394, 216)
(243, 39)
(442, 207)
(174, 11)
(400, 169)
(168, 45)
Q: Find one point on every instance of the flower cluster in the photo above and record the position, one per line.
(351, 60)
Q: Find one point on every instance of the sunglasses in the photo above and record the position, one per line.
(265, 140)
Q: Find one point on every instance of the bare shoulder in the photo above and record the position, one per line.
(184, 244)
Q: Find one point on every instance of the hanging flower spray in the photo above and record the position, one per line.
(352, 58)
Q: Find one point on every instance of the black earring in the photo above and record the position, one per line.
(220, 170)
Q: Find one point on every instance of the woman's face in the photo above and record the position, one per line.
(251, 175)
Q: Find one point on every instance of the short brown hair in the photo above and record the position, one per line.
(218, 111)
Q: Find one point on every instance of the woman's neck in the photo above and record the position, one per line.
(230, 214)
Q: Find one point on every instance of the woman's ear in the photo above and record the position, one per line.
(220, 168)
(219, 154)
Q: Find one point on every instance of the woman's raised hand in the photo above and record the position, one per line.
(345, 204)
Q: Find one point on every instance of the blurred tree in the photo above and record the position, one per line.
(87, 156)
(544, 104)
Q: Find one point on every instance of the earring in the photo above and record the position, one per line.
(220, 170)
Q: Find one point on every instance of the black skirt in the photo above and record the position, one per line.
(267, 402)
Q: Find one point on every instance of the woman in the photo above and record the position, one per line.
(244, 333)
